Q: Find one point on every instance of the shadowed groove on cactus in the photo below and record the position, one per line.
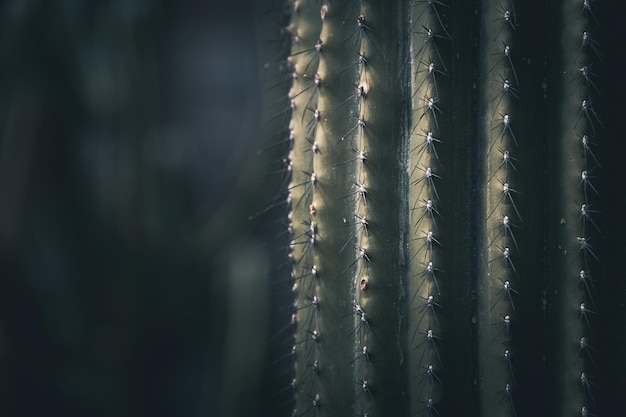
(446, 207)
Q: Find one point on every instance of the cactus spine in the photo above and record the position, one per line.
(443, 229)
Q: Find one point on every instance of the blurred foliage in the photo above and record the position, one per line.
(128, 172)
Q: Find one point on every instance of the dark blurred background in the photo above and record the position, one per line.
(132, 280)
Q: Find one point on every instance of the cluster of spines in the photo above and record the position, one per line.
(502, 214)
(429, 33)
(587, 128)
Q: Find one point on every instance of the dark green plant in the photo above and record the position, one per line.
(449, 243)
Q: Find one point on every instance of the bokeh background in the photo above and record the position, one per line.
(132, 280)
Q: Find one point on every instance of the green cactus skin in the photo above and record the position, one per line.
(446, 234)
(574, 338)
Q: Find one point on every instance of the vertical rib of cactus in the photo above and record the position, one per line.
(335, 202)
(426, 256)
(358, 46)
(442, 139)
(572, 233)
(384, 44)
(505, 263)
(304, 59)
(495, 309)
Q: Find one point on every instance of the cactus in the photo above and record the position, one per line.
(446, 209)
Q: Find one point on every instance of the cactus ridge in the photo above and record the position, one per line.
(427, 263)
(502, 207)
(587, 123)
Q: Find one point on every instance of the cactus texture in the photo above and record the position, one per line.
(447, 204)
